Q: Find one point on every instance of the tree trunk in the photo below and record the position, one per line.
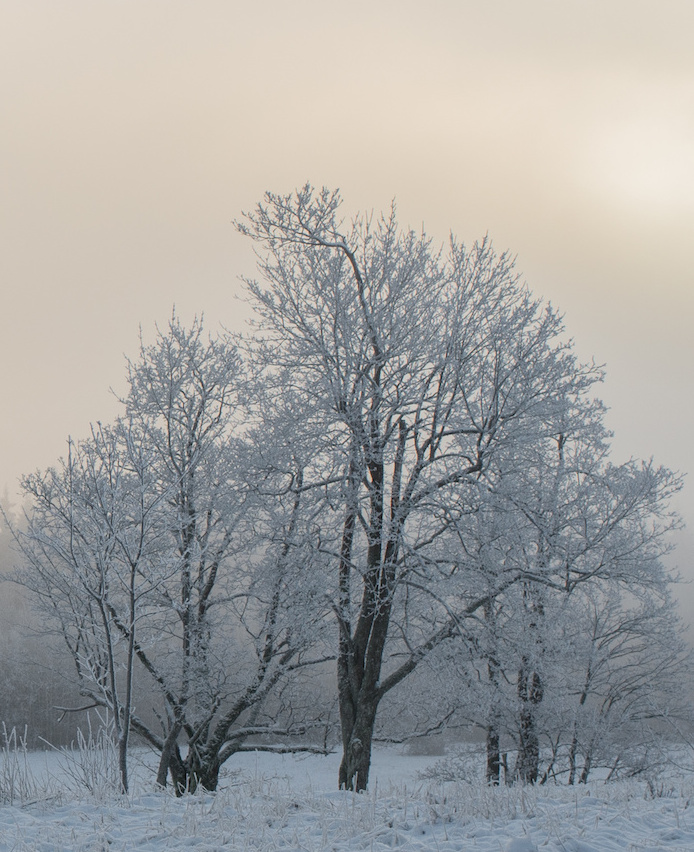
(572, 759)
(360, 652)
(356, 747)
(493, 739)
(493, 756)
(530, 693)
(203, 771)
(123, 760)
(172, 762)
(528, 761)
(167, 757)
(585, 772)
(358, 668)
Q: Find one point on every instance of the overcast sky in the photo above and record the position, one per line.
(132, 133)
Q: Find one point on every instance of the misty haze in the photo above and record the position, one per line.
(376, 535)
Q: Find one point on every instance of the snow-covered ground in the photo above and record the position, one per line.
(274, 802)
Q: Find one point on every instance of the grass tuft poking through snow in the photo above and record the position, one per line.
(283, 803)
(20, 783)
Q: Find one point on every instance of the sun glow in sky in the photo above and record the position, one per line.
(643, 160)
(134, 132)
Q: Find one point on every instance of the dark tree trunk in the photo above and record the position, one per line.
(199, 770)
(528, 762)
(179, 776)
(167, 756)
(530, 694)
(585, 772)
(572, 759)
(203, 771)
(493, 756)
(359, 667)
(574, 739)
(356, 748)
(360, 652)
(493, 738)
(123, 761)
(359, 697)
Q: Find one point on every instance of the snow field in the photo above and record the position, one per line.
(275, 803)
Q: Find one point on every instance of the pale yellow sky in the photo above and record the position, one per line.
(133, 131)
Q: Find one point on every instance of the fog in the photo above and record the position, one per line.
(135, 132)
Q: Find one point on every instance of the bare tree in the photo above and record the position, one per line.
(630, 667)
(586, 521)
(423, 366)
(155, 536)
(91, 529)
(576, 527)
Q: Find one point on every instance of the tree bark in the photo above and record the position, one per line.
(359, 666)
(358, 674)
(585, 772)
(573, 749)
(493, 738)
(356, 754)
(202, 771)
(493, 756)
(167, 755)
(530, 693)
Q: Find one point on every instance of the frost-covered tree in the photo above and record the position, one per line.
(33, 670)
(407, 451)
(427, 368)
(629, 672)
(572, 519)
(91, 530)
(577, 528)
(167, 555)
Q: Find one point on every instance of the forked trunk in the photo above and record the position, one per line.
(169, 757)
(203, 771)
(356, 747)
(199, 770)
